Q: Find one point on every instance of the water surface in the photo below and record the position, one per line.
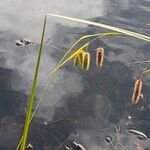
(79, 106)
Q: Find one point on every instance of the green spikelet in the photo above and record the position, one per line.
(81, 54)
(77, 61)
(86, 61)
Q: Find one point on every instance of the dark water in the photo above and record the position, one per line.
(80, 106)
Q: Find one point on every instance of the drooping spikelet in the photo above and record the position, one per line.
(81, 54)
(137, 91)
(77, 61)
(86, 61)
(99, 57)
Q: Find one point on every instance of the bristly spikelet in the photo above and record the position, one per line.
(137, 91)
(77, 61)
(86, 61)
(81, 54)
(99, 57)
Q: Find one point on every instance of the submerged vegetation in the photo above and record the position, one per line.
(81, 58)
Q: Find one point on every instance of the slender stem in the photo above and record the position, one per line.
(144, 70)
(142, 61)
(69, 58)
(77, 51)
(31, 100)
(82, 38)
(85, 45)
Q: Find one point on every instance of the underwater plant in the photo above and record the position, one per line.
(80, 58)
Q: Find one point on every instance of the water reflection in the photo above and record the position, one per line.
(89, 104)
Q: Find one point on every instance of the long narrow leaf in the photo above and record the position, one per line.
(127, 32)
(31, 100)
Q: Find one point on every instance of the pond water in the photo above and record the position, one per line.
(85, 107)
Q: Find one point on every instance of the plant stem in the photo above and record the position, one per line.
(31, 100)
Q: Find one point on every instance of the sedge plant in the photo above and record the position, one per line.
(63, 61)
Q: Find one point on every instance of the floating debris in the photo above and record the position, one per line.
(99, 57)
(141, 96)
(45, 123)
(29, 146)
(139, 134)
(129, 121)
(142, 108)
(77, 146)
(108, 139)
(67, 148)
(86, 61)
(22, 42)
(137, 91)
(129, 117)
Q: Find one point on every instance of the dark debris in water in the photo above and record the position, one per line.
(75, 146)
(29, 146)
(108, 139)
(23, 42)
(67, 148)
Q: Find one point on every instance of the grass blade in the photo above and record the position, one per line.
(31, 100)
(127, 32)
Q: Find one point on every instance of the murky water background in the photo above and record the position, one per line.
(79, 106)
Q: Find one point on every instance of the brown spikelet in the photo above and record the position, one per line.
(99, 57)
(86, 61)
(137, 91)
(77, 60)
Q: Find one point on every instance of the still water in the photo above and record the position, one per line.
(85, 107)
